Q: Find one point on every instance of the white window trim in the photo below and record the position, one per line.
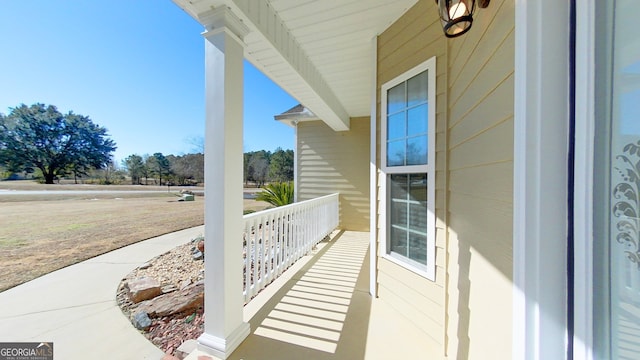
(583, 189)
(373, 175)
(429, 270)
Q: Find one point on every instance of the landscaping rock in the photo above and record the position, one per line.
(144, 266)
(141, 320)
(143, 288)
(169, 288)
(171, 270)
(201, 246)
(198, 255)
(185, 284)
(178, 302)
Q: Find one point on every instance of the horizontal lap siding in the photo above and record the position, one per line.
(467, 311)
(480, 163)
(414, 38)
(330, 162)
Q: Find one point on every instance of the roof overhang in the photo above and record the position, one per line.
(295, 115)
(320, 52)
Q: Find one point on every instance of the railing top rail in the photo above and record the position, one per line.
(287, 207)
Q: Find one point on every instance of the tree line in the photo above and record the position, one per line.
(40, 140)
(165, 170)
(264, 166)
(260, 167)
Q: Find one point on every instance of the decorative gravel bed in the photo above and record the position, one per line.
(174, 270)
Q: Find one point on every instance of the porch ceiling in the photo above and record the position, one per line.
(319, 51)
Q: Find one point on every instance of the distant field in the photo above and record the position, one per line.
(42, 233)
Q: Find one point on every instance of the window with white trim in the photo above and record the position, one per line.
(408, 157)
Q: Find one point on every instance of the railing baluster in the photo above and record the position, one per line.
(273, 225)
(276, 238)
(267, 256)
(281, 221)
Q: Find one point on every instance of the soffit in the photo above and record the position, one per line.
(295, 115)
(337, 37)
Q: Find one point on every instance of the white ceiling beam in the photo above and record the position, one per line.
(319, 97)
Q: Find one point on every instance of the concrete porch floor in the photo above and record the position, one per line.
(322, 309)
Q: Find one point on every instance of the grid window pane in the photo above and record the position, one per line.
(417, 248)
(396, 153)
(417, 151)
(408, 216)
(417, 89)
(399, 213)
(407, 122)
(418, 217)
(399, 186)
(396, 98)
(396, 126)
(418, 203)
(416, 120)
(418, 187)
(399, 241)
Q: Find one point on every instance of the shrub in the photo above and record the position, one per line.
(277, 194)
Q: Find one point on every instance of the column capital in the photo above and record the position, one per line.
(222, 19)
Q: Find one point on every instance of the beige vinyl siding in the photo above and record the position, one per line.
(467, 311)
(480, 164)
(330, 162)
(414, 38)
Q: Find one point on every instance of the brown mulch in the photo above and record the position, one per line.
(169, 332)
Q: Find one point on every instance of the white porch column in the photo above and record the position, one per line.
(224, 328)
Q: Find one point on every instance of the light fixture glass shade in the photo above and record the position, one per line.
(456, 16)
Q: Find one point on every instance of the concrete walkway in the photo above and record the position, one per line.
(75, 307)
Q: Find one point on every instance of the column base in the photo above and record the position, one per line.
(220, 347)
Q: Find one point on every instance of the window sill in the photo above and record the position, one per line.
(427, 272)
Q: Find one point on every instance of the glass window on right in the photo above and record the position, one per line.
(408, 162)
(616, 179)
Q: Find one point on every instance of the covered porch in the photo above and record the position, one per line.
(256, 31)
(320, 308)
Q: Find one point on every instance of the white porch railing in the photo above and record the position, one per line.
(276, 238)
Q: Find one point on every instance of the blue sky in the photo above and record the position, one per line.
(135, 67)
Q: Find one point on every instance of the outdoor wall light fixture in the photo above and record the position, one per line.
(457, 15)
